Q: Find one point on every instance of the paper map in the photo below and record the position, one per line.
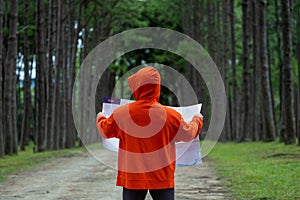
(187, 153)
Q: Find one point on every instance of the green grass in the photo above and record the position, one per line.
(259, 170)
(27, 159)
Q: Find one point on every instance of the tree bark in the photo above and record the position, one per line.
(234, 107)
(65, 75)
(49, 123)
(288, 115)
(59, 62)
(227, 127)
(210, 28)
(79, 16)
(63, 55)
(40, 77)
(25, 130)
(73, 36)
(188, 13)
(268, 121)
(13, 61)
(11, 140)
(245, 126)
(279, 56)
(83, 90)
(2, 153)
(211, 37)
(199, 86)
(256, 74)
(298, 60)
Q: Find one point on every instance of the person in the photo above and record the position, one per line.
(147, 131)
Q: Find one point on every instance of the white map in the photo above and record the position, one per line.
(187, 153)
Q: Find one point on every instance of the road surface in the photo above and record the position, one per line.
(83, 177)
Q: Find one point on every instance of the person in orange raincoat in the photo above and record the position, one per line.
(147, 131)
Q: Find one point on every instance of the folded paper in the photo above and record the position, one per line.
(187, 153)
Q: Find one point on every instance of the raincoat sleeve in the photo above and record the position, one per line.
(189, 131)
(107, 126)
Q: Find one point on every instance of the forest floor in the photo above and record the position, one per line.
(83, 177)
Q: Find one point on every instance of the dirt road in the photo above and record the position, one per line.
(83, 177)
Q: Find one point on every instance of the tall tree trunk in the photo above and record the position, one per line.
(74, 56)
(218, 39)
(234, 111)
(13, 60)
(187, 21)
(83, 90)
(268, 121)
(10, 82)
(218, 35)
(251, 69)
(298, 60)
(73, 36)
(211, 37)
(270, 82)
(63, 55)
(2, 153)
(256, 74)
(25, 130)
(199, 86)
(227, 127)
(59, 63)
(19, 102)
(40, 77)
(289, 117)
(210, 28)
(279, 56)
(49, 123)
(245, 126)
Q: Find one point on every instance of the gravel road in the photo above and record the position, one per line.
(83, 177)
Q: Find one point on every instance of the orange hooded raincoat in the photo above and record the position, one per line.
(147, 131)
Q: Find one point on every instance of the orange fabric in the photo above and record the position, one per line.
(147, 132)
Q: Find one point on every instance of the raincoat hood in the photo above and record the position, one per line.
(145, 84)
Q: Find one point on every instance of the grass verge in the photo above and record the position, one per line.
(27, 159)
(259, 170)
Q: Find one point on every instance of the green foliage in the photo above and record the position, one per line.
(27, 159)
(259, 170)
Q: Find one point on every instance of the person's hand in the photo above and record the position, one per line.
(100, 114)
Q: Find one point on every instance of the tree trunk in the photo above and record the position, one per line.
(187, 18)
(1, 84)
(256, 74)
(210, 28)
(268, 121)
(279, 56)
(218, 35)
(19, 103)
(298, 60)
(83, 90)
(227, 126)
(199, 86)
(234, 111)
(11, 139)
(49, 123)
(73, 60)
(251, 70)
(63, 55)
(246, 125)
(25, 130)
(13, 61)
(289, 117)
(73, 36)
(270, 82)
(40, 77)
(59, 63)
